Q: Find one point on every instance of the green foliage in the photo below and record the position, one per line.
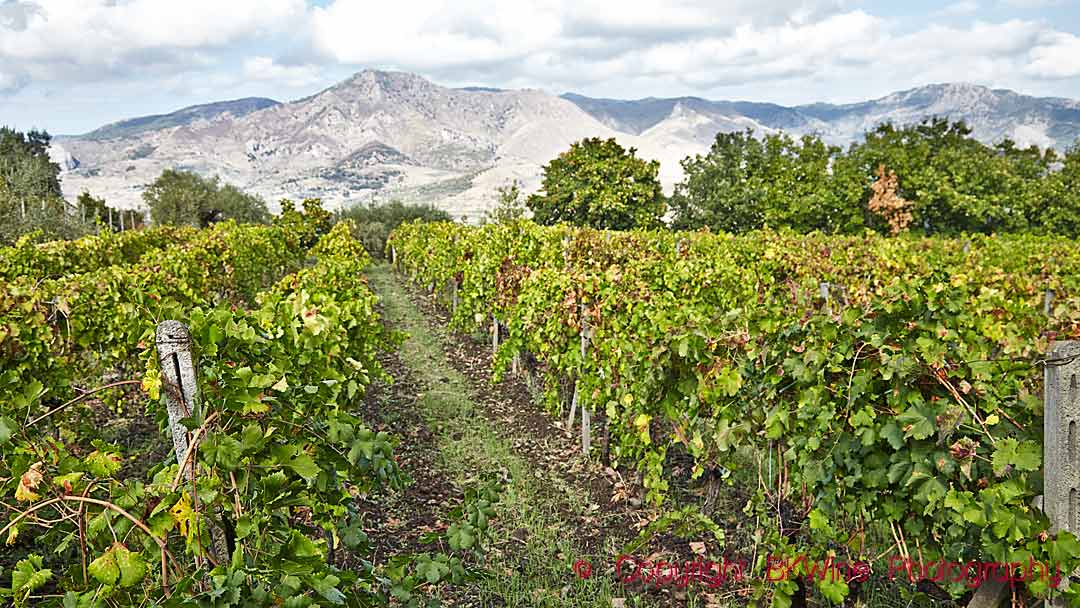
(31, 202)
(40, 221)
(955, 183)
(373, 223)
(59, 258)
(1060, 198)
(510, 207)
(281, 456)
(745, 183)
(25, 167)
(310, 223)
(96, 211)
(184, 198)
(600, 184)
(907, 406)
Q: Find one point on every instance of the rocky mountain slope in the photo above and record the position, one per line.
(382, 135)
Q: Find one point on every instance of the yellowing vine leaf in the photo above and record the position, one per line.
(182, 513)
(29, 482)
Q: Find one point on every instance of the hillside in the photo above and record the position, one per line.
(381, 135)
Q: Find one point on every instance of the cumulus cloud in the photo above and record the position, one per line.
(690, 45)
(789, 50)
(1057, 57)
(267, 69)
(15, 14)
(87, 40)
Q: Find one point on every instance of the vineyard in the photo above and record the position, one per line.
(803, 398)
(883, 395)
(259, 509)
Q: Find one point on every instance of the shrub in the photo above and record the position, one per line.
(372, 224)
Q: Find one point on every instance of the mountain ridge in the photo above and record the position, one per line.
(384, 134)
(133, 126)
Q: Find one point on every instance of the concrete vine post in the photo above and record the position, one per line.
(1061, 439)
(181, 389)
(178, 380)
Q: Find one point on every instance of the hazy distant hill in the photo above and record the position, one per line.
(128, 128)
(391, 134)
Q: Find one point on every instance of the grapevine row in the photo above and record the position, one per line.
(896, 383)
(59, 258)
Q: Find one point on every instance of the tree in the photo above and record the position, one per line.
(182, 197)
(1060, 211)
(745, 183)
(235, 204)
(25, 165)
(598, 183)
(372, 223)
(30, 196)
(955, 183)
(511, 205)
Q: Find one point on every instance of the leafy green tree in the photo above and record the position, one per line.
(372, 223)
(30, 196)
(235, 204)
(178, 197)
(510, 207)
(182, 197)
(1060, 195)
(599, 183)
(956, 183)
(744, 183)
(25, 165)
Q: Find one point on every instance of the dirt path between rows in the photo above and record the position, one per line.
(571, 509)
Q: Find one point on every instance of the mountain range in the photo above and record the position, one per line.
(382, 135)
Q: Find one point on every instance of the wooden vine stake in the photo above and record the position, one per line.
(181, 398)
(1061, 441)
(573, 408)
(586, 428)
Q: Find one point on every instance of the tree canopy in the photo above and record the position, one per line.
(182, 197)
(932, 177)
(31, 202)
(599, 183)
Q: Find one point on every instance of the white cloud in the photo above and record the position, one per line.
(690, 47)
(294, 76)
(432, 34)
(10, 82)
(788, 51)
(1057, 57)
(79, 40)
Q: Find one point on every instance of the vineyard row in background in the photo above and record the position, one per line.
(876, 394)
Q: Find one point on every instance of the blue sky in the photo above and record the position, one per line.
(72, 65)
